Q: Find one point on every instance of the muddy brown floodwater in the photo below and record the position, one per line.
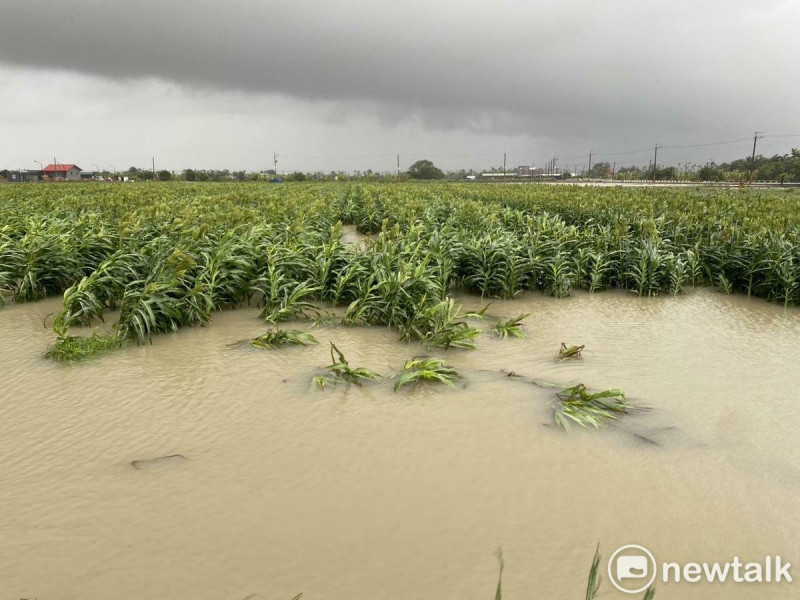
(271, 489)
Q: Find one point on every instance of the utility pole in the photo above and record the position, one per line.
(398, 166)
(613, 170)
(275, 163)
(753, 158)
(590, 164)
(154, 168)
(655, 163)
(504, 166)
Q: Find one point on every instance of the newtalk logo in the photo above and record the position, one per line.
(632, 569)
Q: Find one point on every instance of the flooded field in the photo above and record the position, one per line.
(272, 489)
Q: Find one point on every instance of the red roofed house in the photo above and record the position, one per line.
(63, 172)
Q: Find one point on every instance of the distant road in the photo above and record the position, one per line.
(686, 184)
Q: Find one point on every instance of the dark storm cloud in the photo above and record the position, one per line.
(609, 70)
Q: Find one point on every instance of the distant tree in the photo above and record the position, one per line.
(667, 173)
(632, 173)
(601, 169)
(202, 176)
(710, 172)
(296, 176)
(164, 175)
(424, 169)
(190, 175)
(133, 170)
(145, 175)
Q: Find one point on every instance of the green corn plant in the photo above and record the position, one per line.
(478, 315)
(513, 327)
(346, 280)
(593, 584)
(569, 352)
(47, 265)
(289, 302)
(226, 269)
(340, 371)
(273, 338)
(600, 266)
(484, 266)
(440, 326)
(723, 284)
(645, 272)
(518, 272)
(72, 348)
(427, 369)
(693, 265)
(148, 308)
(81, 306)
(498, 594)
(10, 260)
(582, 258)
(236, 243)
(676, 270)
(577, 405)
(366, 309)
(558, 275)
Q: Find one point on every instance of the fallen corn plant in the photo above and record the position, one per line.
(568, 352)
(480, 315)
(440, 326)
(577, 405)
(340, 371)
(273, 338)
(427, 369)
(511, 327)
(73, 348)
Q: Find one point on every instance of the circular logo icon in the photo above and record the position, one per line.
(632, 569)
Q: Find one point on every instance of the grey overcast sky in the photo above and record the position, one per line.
(348, 84)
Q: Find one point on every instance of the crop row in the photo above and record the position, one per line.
(168, 256)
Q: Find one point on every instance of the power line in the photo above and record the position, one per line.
(591, 155)
(747, 139)
(338, 155)
(622, 153)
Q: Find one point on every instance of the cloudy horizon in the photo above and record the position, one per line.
(349, 85)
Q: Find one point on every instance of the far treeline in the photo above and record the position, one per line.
(780, 167)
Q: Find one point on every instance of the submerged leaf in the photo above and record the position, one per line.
(278, 337)
(577, 405)
(426, 369)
